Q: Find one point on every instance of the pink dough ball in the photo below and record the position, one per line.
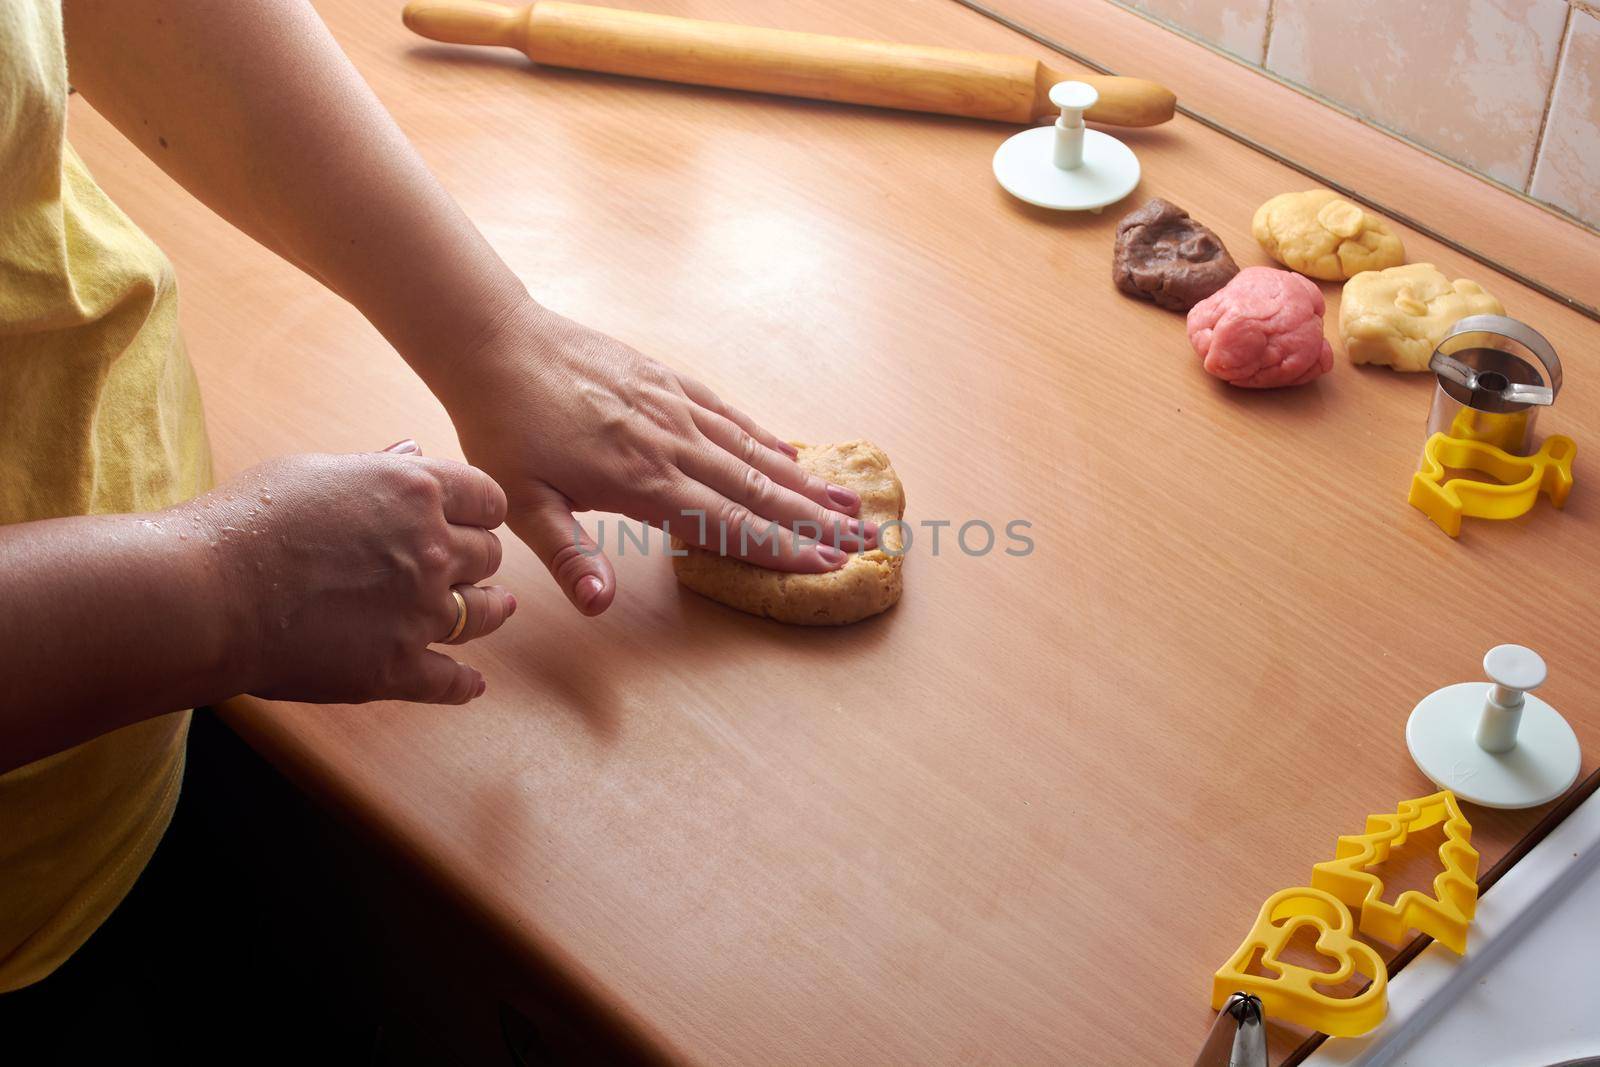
(1262, 330)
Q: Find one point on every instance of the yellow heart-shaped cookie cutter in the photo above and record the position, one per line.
(1294, 993)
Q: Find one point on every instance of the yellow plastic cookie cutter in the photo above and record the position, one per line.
(1443, 916)
(1295, 993)
(1520, 480)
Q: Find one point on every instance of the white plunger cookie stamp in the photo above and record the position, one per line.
(1067, 166)
(1496, 744)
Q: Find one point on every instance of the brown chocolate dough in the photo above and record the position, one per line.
(1164, 255)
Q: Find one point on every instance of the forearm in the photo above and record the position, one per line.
(255, 110)
(104, 621)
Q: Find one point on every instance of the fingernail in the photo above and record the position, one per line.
(843, 497)
(830, 555)
(483, 687)
(511, 605)
(588, 588)
(867, 531)
(789, 450)
(405, 447)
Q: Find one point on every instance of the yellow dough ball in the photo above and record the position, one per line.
(867, 584)
(1398, 316)
(1323, 236)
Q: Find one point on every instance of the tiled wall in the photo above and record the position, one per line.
(1508, 88)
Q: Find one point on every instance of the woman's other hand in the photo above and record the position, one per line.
(337, 572)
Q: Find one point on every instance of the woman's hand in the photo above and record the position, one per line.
(338, 570)
(569, 420)
(320, 578)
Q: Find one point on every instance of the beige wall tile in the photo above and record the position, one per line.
(1237, 26)
(1467, 78)
(1568, 172)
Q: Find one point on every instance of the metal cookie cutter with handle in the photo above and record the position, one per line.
(1521, 480)
(1493, 374)
(1294, 993)
(1443, 916)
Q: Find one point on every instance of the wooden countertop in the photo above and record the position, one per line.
(1021, 818)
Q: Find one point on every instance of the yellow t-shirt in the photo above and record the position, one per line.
(99, 413)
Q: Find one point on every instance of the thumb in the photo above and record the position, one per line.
(434, 678)
(543, 518)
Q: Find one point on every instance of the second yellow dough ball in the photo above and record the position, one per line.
(1322, 235)
(1398, 316)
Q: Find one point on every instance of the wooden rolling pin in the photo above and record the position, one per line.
(911, 77)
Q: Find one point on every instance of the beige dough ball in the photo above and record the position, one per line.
(1398, 316)
(1323, 236)
(867, 584)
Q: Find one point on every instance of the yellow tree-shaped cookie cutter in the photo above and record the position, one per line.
(1520, 480)
(1443, 916)
(1294, 993)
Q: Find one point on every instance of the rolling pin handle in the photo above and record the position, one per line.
(467, 22)
(1073, 98)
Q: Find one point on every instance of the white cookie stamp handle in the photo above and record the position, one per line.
(1067, 166)
(1496, 744)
